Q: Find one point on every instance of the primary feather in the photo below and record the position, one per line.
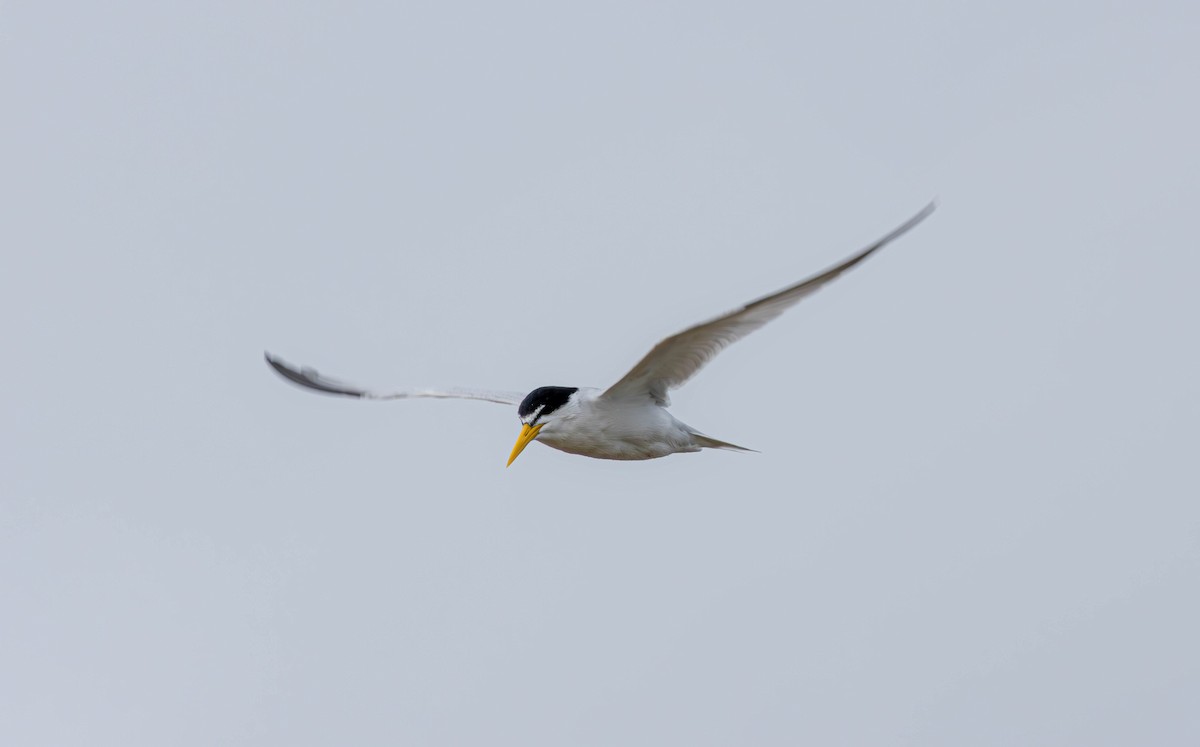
(676, 359)
(309, 378)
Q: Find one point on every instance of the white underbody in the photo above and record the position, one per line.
(620, 429)
(628, 420)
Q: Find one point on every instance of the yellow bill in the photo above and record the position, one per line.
(528, 433)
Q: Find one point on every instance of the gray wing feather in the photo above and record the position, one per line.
(310, 379)
(676, 359)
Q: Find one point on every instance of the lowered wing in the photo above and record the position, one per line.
(310, 379)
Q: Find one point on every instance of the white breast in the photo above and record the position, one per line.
(604, 429)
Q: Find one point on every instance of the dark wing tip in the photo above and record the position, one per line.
(926, 211)
(286, 370)
(308, 377)
(907, 225)
(282, 367)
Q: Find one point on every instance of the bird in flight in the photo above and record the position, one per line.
(629, 420)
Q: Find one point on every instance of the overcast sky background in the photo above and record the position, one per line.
(976, 514)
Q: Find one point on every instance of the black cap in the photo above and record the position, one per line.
(548, 398)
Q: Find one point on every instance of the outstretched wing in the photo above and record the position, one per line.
(676, 359)
(310, 379)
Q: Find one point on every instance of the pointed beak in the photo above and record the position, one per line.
(528, 433)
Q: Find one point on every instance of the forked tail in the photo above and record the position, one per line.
(711, 443)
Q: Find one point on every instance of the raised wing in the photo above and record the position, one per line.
(310, 379)
(676, 359)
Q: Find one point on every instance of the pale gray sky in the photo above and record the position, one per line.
(975, 518)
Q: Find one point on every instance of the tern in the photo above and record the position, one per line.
(629, 419)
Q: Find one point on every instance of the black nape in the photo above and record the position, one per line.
(548, 398)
